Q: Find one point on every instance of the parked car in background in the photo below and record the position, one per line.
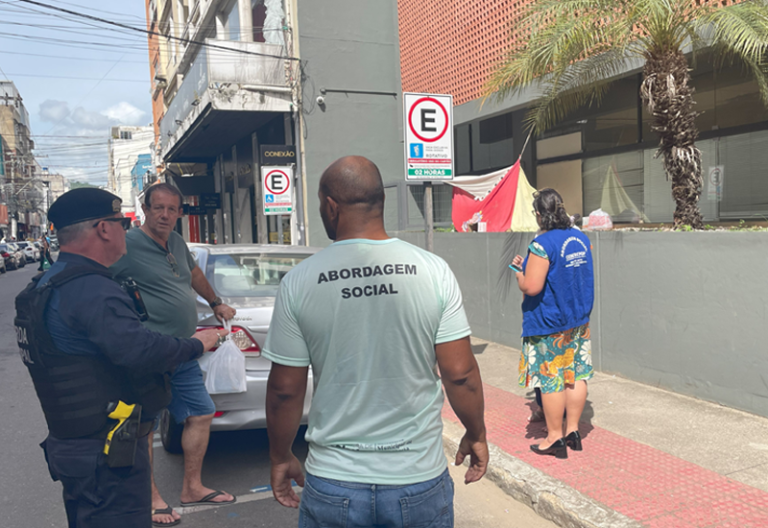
(31, 253)
(21, 259)
(54, 243)
(13, 257)
(246, 277)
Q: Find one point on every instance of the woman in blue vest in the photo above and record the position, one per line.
(558, 284)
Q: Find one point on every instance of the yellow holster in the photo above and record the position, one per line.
(121, 413)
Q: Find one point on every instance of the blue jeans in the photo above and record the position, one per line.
(335, 504)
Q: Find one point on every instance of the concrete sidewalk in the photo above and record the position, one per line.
(651, 458)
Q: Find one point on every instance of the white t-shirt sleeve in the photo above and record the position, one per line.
(453, 321)
(285, 343)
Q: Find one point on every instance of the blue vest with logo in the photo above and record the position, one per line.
(566, 300)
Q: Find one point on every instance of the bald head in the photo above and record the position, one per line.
(352, 181)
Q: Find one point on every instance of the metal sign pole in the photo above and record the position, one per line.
(429, 217)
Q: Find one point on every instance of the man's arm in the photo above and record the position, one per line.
(464, 388)
(108, 319)
(204, 289)
(286, 389)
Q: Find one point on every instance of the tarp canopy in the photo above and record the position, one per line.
(502, 199)
(615, 199)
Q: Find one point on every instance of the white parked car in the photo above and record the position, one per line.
(31, 253)
(246, 277)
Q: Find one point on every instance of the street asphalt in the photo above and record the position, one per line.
(236, 462)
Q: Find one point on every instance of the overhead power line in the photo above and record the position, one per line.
(154, 33)
(73, 78)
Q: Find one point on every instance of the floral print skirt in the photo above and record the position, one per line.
(552, 361)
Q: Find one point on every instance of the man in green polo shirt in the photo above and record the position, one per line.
(169, 280)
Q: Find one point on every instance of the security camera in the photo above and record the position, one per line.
(320, 100)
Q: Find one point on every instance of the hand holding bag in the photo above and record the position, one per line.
(225, 369)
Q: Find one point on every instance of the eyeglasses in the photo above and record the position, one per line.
(172, 261)
(125, 222)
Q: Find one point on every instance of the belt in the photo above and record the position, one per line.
(145, 428)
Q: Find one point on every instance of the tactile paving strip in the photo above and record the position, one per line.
(636, 480)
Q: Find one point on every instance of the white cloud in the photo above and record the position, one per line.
(125, 113)
(83, 159)
(91, 121)
(54, 111)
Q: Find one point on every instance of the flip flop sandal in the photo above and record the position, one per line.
(207, 500)
(168, 510)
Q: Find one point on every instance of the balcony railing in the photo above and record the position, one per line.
(224, 72)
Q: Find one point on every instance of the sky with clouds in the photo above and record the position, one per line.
(77, 77)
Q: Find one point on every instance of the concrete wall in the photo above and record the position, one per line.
(350, 45)
(680, 311)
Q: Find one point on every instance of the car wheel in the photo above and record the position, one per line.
(170, 433)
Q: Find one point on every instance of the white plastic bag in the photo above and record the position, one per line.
(599, 220)
(225, 368)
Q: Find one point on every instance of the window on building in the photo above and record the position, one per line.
(124, 134)
(232, 24)
(615, 184)
(462, 141)
(268, 21)
(259, 13)
(492, 146)
(442, 196)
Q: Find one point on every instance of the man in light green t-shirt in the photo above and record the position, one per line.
(374, 316)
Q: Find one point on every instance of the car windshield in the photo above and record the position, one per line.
(249, 275)
(22, 245)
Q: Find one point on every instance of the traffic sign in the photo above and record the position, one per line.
(277, 188)
(428, 136)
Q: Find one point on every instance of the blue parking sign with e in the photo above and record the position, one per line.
(270, 198)
(417, 150)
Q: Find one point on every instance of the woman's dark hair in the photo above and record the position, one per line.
(549, 205)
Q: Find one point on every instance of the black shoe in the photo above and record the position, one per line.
(573, 441)
(558, 449)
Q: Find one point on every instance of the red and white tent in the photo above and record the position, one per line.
(503, 200)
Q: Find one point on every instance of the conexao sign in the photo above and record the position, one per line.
(278, 154)
(428, 136)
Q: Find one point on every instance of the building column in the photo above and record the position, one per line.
(242, 212)
(261, 219)
(246, 20)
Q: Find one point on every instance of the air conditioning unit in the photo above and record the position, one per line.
(160, 80)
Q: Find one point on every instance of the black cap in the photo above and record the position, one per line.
(84, 203)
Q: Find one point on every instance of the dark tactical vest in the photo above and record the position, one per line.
(75, 391)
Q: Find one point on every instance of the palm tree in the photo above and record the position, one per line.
(576, 47)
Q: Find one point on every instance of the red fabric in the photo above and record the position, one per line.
(497, 207)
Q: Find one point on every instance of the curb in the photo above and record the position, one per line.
(548, 497)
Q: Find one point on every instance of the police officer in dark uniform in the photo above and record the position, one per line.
(100, 375)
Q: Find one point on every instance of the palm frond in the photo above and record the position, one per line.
(584, 83)
(572, 43)
(741, 31)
